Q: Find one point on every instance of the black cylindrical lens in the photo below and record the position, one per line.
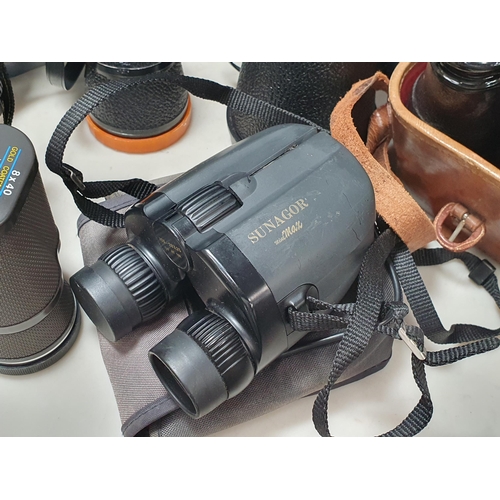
(142, 118)
(39, 316)
(468, 76)
(119, 291)
(307, 89)
(202, 363)
(461, 100)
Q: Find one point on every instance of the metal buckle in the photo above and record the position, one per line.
(77, 180)
(421, 355)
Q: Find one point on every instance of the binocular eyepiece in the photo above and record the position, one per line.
(282, 215)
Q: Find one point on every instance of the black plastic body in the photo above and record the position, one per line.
(298, 222)
(306, 218)
(284, 214)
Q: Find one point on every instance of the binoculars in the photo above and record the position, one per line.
(283, 215)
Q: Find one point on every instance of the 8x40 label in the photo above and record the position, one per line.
(8, 173)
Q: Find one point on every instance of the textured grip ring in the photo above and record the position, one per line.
(139, 279)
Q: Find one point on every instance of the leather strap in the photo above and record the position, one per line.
(393, 202)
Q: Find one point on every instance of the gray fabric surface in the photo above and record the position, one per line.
(283, 381)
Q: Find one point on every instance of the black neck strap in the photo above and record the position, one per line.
(370, 314)
(84, 191)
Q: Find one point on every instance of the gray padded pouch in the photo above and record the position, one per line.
(144, 405)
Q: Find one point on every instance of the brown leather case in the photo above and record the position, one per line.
(447, 179)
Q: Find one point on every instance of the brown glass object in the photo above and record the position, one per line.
(462, 100)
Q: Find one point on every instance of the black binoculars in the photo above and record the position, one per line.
(283, 215)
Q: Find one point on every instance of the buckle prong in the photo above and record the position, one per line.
(459, 227)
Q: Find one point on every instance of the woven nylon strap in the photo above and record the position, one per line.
(370, 314)
(83, 191)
